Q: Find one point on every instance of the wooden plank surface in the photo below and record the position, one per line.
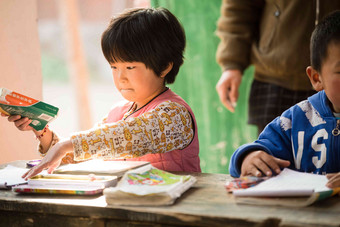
(205, 204)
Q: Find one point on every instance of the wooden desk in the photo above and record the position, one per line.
(206, 204)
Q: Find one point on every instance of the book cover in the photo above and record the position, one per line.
(60, 190)
(148, 186)
(66, 184)
(13, 103)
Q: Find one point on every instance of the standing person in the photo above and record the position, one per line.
(274, 37)
(305, 137)
(144, 48)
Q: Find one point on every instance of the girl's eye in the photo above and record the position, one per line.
(113, 67)
(130, 67)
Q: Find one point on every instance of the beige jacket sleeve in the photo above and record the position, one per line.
(237, 28)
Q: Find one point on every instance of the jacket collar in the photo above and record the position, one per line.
(321, 103)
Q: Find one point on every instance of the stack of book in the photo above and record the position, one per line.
(148, 186)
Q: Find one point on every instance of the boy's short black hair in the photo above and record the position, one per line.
(327, 31)
(152, 36)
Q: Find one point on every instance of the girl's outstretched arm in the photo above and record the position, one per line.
(52, 159)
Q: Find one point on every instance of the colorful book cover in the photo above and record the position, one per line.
(13, 103)
(64, 190)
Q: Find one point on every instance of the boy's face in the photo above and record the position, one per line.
(330, 75)
(135, 82)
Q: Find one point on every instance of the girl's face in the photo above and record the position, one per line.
(136, 83)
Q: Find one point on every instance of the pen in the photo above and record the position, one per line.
(32, 163)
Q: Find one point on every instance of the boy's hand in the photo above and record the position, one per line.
(333, 180)
(259, 163)
(19, 122)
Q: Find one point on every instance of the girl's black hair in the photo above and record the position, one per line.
(152, 36)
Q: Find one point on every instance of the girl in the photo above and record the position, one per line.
(144, 48)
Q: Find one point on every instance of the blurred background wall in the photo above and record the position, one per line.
(20, 70)
(58, 86)
(220, 132)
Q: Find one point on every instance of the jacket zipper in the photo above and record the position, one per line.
(336, 131)
(335, 149)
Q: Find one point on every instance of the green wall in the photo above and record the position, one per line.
(220, 132)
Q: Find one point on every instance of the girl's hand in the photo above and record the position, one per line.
(22, 123)
(258, 163)
(333, 180)
(52, 159)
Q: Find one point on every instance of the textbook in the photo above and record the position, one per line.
(13, 103)
(66, 184)
(289, 188)
(148, 186)
(100, 166)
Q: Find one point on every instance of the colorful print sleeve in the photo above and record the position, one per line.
(167, 127)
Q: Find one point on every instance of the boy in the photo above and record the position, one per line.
(306, 136)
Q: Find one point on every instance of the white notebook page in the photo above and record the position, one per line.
(287, 183)
(11, 175)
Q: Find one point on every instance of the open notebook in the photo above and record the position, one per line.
(289, 188)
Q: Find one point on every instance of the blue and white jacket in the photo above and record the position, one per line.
(307, 135)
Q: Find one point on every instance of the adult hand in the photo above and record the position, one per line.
(227, 88)
(259, 163)
(52, 159)
(333, 180)
(22, 123)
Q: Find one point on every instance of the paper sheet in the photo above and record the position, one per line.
(288, 183)
(11, 175)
